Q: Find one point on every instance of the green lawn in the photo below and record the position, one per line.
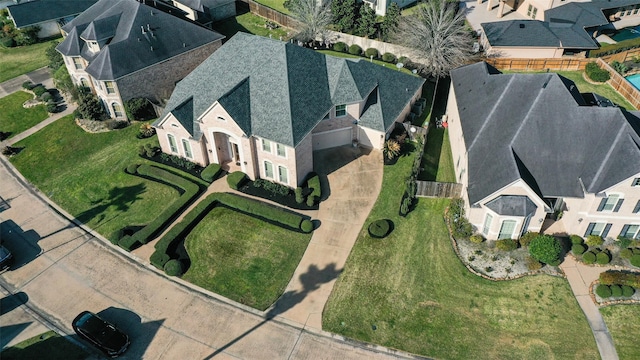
(84, 174)
(601, 89)
(243, 258)
(437, 162)
(410, 291)
(274, 4)
(349, 56)
(21, 60)
(252, 24)
(622, 322)
(16, 119)
(53, 345)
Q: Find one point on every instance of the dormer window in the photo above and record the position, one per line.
(341, 110)
(93, 46)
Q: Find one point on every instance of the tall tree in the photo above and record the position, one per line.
(314, 16)
(438, 37)
(344, 14)
(390, 21)
(366, 25)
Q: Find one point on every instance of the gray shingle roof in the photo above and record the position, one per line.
(531, 127)
(512, 205)
(280, 91)
(39, 11)
(130, 48)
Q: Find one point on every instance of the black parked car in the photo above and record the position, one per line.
(6, 258)
(102, 334)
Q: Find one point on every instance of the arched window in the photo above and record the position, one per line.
(85, 83)
(172, 143)
(117, 110)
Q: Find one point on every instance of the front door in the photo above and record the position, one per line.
(235, 153)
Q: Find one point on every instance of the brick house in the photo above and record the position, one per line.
(123, 49)
(527, 147)
(263, 106)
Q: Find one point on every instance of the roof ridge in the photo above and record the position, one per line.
(533, 104)
(605, 160)
(493, 110)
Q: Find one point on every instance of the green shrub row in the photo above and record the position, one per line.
(357, 50)
(610, 49)
(611, 277)
(615, 290)
(272, 187)
(576, 239)
(635, 260)
(248, 206)
(578, 249)
(595, 73)
(316, 190)
(211, 172)
(147, 233)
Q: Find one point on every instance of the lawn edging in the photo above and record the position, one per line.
(276, 215)
(190, 191)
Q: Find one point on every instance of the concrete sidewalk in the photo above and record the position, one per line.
(70, 108)
(40, 76)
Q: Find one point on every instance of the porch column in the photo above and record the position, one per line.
(500, 9)
(489, 5)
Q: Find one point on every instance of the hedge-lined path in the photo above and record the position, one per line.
(65, 269)
(580, 277)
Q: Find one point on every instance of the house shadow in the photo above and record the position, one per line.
(327, 161)
(140, 333)
(22, 244)
(311, 280)
(49, 347)
(10, 332)
(5, 204)
(230, 26)
(119, 197)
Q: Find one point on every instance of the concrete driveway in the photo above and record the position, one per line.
(65, 269)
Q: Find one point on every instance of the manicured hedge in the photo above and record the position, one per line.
(340, 47)
(211, 172)
(626, 253)
(236, 179)
(609, 49)
(616, 290)
(576, 239)
(371, 52)
(589, 257)
(604, 291)
(635, 260)
(355, 50)
(611, 277)
(248, 206)
(147, 233)
(603, 258)
(628, 291)
(595, 73)
(388, 57)
(379, 228)
(173, 267)
(578, 249)
(314, 184)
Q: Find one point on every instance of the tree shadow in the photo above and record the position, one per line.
(311, 280)
(140, 333)
(22, 244)
(119, 197)
(13, 301)
(5, 204)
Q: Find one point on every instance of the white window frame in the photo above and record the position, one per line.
(500, 233)
(112, 89)
(118, 111)
(186, 146)
(340, 107)
(635, 182)
(486, 226)
(280, 147)
(266, 145)
(596, 231)
(284, 180)
(612, 200)
(268, 164)
(635, 234)
(173, 144)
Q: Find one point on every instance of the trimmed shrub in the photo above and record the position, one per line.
(340, 47)
(403, 59)
(476, 239)
(128, 243)
(604, 291)
(173, 267)
(45, 97)
(603, 258)
(635, 260)
(611, 277)
(355, 50)
(28, 85)
(589, 257)
(311, 200)
(139, 109)
(576, 239)
(211, 172)
(52, 107)
(525, 239)
(578, 249)
(299, 195)
(626, 253)
(594, 240)
(379, 228)
(236, 179)
(272, 187)
(555, 262)
(372, 52)
(316, 189)
(306, 226)
(506, 244)
(39, 90)
(616, 290)
(533, 264)
(595, 73)
(7, 42)
(132, 168)
(627, 291)
(388, 57)
(545, 248)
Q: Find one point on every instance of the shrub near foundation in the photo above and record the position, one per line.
(236, 179)
(578, 249)
(604, 291)
(545, 248)
(611, 277)
(589, 257)
(211, 172)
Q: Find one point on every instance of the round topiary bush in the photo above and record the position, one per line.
(576, 239)
(340, 47)
(371, 52)
(173, 267)
(626, 253)
(476, 239)
(616, 290)
(388, 57)
(635, 260)
(603, 258)
(578, 249)
(628, 291)
(132, 168)
(594, 240)
(379, 228)
(355, 50)
(589, 257)
(603, 291)
(52, 107)
(306, 226)
(545, 249)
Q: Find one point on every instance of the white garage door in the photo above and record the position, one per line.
(333, 138)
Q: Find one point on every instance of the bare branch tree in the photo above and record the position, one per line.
(438, 37)
(314, 16)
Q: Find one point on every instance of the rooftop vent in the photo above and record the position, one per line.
(143, 30)
(521, 26)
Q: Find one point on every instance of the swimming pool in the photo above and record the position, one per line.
(634, 80)
(626, 34)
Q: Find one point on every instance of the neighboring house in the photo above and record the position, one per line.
(527, 147)
(49, 15)
(263, 106)
(206, 11)
(566, 30)
(381, 6)
(122, 49)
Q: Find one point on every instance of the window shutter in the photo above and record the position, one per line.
(637, 208)
(602, 203)
(620, 201)
(605, 232)
(624, 230)
(589, 229)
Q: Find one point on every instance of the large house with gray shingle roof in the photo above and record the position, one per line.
(263, 106)
(527, 147)
(123, 49)
(49, 15)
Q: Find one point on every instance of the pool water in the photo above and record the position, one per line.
(626, 34)
(634, 80)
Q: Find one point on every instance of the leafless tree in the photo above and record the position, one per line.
(314, 16)
(438, 37)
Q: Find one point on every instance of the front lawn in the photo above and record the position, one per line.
(622, 322)
(84, 174)
(242, 258)
(53, 345)
(14, 118)
(22, 59)
(410, 291)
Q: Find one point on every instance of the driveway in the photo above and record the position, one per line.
(40, 76)
(64, 270)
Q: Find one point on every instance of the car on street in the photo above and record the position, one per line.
(6, 258)
(100, 333)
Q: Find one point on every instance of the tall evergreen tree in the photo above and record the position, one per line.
(366, 25)
(344, 14)
(390, 21)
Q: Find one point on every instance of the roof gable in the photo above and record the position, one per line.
(512, 205)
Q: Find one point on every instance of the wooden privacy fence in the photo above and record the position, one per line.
(271, 14)
(538, 64)
(438, 189)
(621, 85)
